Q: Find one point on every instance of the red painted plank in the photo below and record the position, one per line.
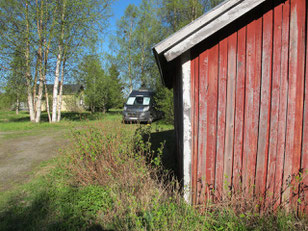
(230, 111)
(265, 105)
(239, 109)
(212, 119)
(277, 43)
(221, 117)
(283, 104)
(253, 74)
(195, 114)
(296, 92)
(304, 162)
(202, 126)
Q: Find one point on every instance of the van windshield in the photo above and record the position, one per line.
(138, 101)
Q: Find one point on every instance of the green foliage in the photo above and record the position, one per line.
(109, 178)
(139, 30)
(164, 99)
(115, 95)
(102, 90)
(5, 102)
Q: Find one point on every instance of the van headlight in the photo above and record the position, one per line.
(146, 108)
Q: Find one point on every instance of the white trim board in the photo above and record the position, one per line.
(211, 28)
(195, 25)
(204, 27)
(187, 125)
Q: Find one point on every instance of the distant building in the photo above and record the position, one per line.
(72, 97)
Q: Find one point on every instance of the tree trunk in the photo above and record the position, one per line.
(47, 103)
(61, 90)
(17, 105)
(40, 59)
(55, 87)
(58, 64)
(27, 66)
(35, 84)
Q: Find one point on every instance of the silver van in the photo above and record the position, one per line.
(140, 107)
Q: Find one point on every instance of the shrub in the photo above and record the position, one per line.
(109, 178)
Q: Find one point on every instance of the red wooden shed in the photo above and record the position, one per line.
(239, 74)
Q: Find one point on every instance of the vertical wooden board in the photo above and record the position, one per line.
(194, 116)
(265, 105)
(283, 103)
(296, 93)
(202, 126)
(239, 109)
(253, 74)
(221, 116)
(304, 162)
(212, 119)
(230, 111)
(277, 43)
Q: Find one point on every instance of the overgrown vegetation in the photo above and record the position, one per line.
(111, 177)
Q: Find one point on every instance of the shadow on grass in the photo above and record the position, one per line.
(169, 159)
(40, 215)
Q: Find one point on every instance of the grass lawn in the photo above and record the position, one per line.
(116, 176)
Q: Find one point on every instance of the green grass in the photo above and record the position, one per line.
(114, 176)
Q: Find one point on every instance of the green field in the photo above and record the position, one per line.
(115, 176)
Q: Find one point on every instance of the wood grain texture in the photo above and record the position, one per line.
(283, 104)
(202, 124)
(304, 161)
(194, 116)
(275, 100)
(212, 95)
(230, 111)
(265, 105)
(239, 109)
(250, 110)
(253, 75)
(221, 116)
(295, 103)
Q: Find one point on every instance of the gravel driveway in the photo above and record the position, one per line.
(19, 156)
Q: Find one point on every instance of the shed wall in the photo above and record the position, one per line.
(249, 107)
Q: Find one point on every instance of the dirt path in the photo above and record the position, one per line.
(19, 156)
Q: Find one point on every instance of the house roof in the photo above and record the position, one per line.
(197, 31)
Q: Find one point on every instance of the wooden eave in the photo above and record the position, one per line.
(197, 31)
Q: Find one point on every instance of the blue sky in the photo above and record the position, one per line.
(118, 9)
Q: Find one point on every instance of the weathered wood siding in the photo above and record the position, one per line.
(250, 107)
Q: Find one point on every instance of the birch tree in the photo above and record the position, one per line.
(79, 25)
(62, 12)
(127, 46)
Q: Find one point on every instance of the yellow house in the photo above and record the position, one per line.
(72, 98)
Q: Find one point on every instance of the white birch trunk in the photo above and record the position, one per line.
(57, 72)
(55, 87)
(47, 103)
(28, 72)
(39, 100)
(39, 22)
(61, 91)
(30, 100)
(17, 105)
